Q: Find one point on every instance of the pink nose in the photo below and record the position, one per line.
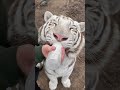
(59, 37)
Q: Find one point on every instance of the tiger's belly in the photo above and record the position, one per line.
(62, 71)
(59, 70)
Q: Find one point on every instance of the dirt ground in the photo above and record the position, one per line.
(76, 10)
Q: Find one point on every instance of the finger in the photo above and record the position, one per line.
(51, 48)
(47, 48)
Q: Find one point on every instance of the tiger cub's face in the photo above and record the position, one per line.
(60, 29)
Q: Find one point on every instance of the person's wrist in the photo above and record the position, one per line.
(38, 54)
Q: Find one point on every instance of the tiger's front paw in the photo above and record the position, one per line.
(52, 85)
(66, 83)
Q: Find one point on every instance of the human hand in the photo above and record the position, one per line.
(46, 49)
(26, 56)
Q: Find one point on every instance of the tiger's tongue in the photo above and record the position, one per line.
(62, 54)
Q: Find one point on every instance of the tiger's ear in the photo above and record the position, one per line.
(82, 26)
(47, 15)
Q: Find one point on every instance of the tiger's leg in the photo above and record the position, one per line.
(53, 81)
(65, 79)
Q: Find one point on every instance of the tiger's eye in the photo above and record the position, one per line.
(50, 24)
(71, 28)
(55, 24)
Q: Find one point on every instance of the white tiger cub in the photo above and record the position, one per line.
(68, 33)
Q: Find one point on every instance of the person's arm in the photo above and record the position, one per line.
(17, 61)
(38, 54)
(41, 52)
(28, 55)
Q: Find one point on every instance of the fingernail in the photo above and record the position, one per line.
(53, 48)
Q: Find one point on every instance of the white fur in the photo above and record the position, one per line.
(53, 67)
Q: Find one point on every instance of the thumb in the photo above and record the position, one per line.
(51, 48)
